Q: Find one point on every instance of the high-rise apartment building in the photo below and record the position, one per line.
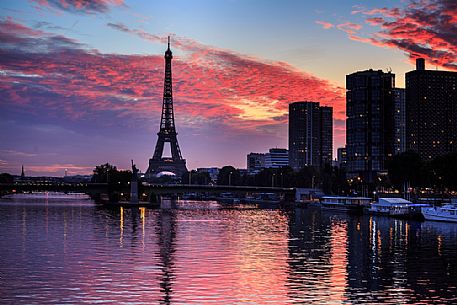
(370, 122)
(431, 111)
(326, 134)
(399, 121)
(310, 134)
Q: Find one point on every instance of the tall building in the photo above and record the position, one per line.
(310, 134)
(255, 162)
(276, 158)
(326, 135)
(431, 111)
(399, 121)
(370, 122)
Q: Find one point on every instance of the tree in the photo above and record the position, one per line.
(6, 178)
(228, 175)
(103, 173)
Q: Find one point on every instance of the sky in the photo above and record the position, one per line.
(81, 82)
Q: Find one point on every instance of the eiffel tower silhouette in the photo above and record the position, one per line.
(167, 133)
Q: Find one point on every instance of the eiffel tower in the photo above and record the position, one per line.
(167, 134)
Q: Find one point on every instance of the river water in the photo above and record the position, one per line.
(201, 253)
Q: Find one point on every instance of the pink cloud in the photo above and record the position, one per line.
(349, 27)
(325, 25)
(80, 6)
(375, 21)
(241, 94)
(425, 29)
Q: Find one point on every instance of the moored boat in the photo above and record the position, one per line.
(446, 212)
(394, 207)
(344, 204)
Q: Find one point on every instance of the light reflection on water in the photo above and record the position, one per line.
(201, 253)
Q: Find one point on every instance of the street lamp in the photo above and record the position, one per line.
(230, 178)
(273, 180)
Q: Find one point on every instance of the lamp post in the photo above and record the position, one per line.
(230, 178)
(273, 180)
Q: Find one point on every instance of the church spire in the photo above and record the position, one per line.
(22, 172)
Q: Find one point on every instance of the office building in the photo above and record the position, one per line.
(431, 111)
(276, 158)
(310, 135)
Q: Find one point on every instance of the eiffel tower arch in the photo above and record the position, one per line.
(167, 133)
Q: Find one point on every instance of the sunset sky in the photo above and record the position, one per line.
(81, 84)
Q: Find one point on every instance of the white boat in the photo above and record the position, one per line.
(346, 204)
(447, 212)
(395, 207)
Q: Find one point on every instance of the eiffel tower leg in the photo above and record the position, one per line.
(175, 152)
(158, 152)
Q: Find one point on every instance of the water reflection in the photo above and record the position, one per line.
(200, 253)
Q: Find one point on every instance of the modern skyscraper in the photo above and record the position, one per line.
(276, 158)
(399, 121)
(310, 134)
(167, 133)
(370, 122)
(255, 162)
(431, 111)
(326, 135)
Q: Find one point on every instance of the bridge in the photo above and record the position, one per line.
(147, 190)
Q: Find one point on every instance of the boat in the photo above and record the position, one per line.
(344, 204)
(394, 207)
(446, 212)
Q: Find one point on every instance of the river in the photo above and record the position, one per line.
(75, 252)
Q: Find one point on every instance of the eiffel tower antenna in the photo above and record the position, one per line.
(167, 132)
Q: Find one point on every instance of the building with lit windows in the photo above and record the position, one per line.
(276, 158)
(310, 135)
(370, 122)
(399, 121)
(431, 111)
